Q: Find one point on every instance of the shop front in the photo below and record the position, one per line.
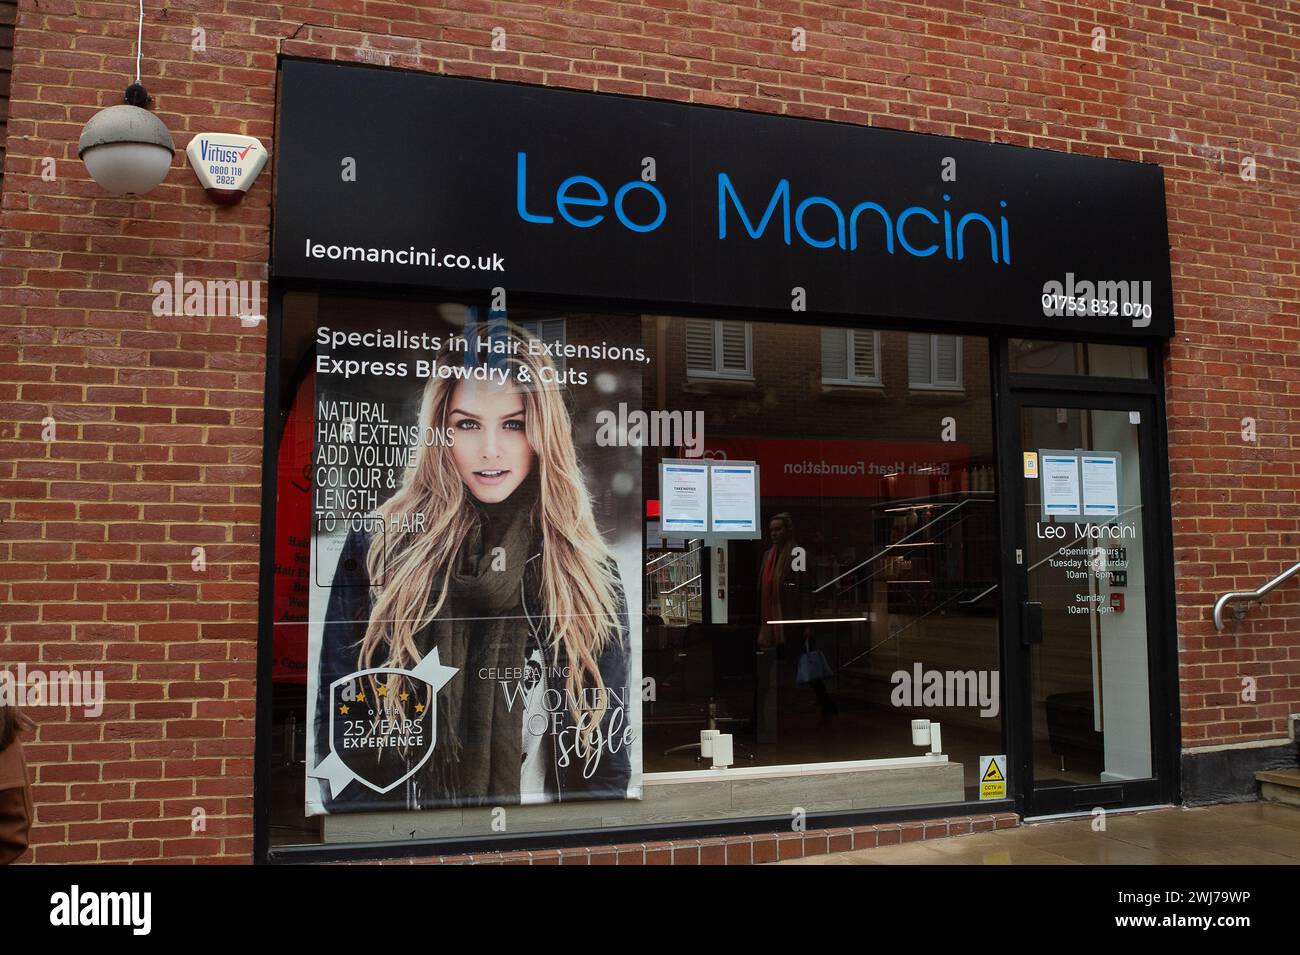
(637, 470)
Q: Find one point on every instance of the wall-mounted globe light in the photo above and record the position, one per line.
(126, 149)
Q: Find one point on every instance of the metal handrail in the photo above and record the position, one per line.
(685, 583)
(1228, 598)
(899, 543)
(676, 557)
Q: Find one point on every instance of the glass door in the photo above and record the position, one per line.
(1089, 610)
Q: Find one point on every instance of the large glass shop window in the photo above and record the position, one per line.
(867, 597)
(486, 621)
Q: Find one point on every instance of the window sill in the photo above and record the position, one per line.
(704, 385)
(842, 392)
(936, 394)
(802, 769)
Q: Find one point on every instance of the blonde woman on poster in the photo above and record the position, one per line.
(489, 553)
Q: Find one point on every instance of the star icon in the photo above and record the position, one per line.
(419, 707)
(361, 697)
(383, 691)
(343, 710)
(403, 696)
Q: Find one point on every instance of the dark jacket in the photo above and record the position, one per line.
(348, 611)
(15, 803)
(796, 597)
(795, 592)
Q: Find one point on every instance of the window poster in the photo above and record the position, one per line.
(684, 492)
(733, 501)
(1100, 481)
(1060, 484)
(469, 640)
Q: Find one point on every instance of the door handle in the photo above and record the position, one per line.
(1031, 623)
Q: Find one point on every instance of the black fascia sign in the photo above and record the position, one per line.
(412, 179)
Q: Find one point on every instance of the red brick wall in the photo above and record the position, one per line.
(158, 441)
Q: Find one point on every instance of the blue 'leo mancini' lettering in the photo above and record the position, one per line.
(818, 221)
(75, 908)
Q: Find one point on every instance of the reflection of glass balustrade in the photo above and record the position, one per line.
(928, 558)
(673, 586)
(936, 546)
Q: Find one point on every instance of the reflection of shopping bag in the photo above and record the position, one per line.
(813, 666)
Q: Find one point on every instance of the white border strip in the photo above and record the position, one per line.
(774, 772)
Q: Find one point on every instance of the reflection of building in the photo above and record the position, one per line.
(878, 445)
(792, 380)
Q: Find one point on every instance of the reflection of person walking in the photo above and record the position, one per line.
(783, 595)
(15, 796)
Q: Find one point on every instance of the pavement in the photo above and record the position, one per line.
(1253, 833)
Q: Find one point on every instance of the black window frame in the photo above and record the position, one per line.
(1002, 380)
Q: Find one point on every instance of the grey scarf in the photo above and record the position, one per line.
(481, 627)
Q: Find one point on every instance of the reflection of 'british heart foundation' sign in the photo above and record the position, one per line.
(373, 718)
(809, 467)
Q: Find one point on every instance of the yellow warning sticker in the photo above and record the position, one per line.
(993, 777)
(1031, 464)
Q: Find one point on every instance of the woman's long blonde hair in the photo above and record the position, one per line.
(578, 583)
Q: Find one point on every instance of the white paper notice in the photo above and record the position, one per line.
(1100, 485)
(735, 499)
(1060, 484)
(684, 493)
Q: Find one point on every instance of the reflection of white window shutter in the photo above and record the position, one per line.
(864, 355)
(735, 356)
(716, 349)
(934, 361)
(918, 359)
(699, 344)
(835, 354)
(553, 330)
(850, 356)
(547, 329)
(945, 350)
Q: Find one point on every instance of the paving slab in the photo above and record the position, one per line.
(1232, 834)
